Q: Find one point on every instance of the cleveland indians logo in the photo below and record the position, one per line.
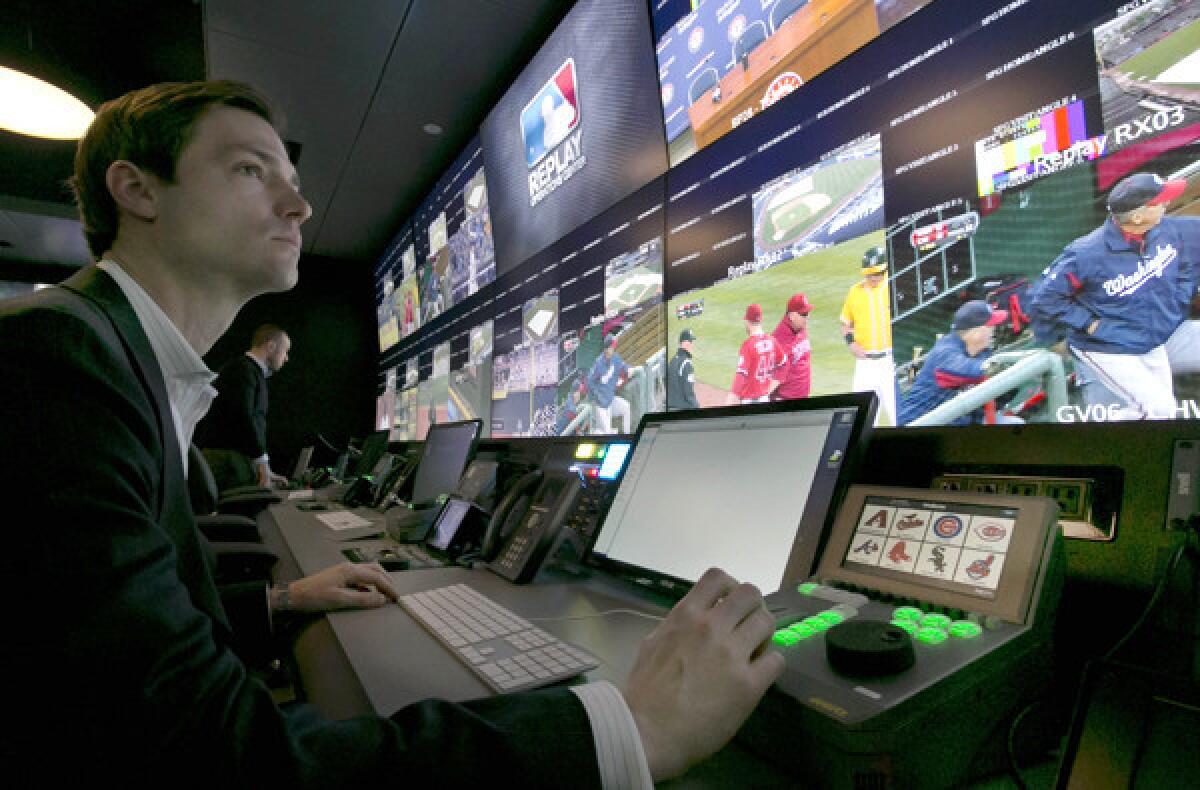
(981, 569)
(948, 526)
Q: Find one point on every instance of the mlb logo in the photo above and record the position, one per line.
(551, 115)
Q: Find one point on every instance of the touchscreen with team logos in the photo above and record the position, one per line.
(950, 546)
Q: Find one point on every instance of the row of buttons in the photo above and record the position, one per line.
(933, 628)
(809, 626)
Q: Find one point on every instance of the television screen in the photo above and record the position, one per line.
(721, 62)
(580, 129)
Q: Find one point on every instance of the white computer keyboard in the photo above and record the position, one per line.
(505, 651)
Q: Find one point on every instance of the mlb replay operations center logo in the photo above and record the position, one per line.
(551, 133)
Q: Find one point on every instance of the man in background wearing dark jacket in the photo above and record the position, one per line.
(234, 434)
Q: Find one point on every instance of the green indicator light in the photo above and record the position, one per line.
(907, 625)
(908, 613)
(807, 588)
(965, 629)
(831, 617)
(930, 636)
(784, 638)
(934, 620)
(816, 623)
(802, 630)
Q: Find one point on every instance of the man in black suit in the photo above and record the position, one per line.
(191, 205)
(234, 433)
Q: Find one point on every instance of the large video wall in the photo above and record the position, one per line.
(847, 176)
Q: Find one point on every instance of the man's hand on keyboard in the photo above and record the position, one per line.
(345, 586)
(700, 673)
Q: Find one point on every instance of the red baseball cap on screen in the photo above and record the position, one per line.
(753, 313)
(799, 304)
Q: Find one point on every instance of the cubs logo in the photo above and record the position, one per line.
(991, 532)
(948, 526)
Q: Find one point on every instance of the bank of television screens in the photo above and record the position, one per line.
(959, 148)
(680, 509)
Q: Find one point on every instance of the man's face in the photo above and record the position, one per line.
(687, 345)
(874, 280)
(978, 339)
(278, 353)
(608, 352)
(232, 218)
(797, 320)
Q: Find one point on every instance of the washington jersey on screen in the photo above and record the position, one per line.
(551, 115)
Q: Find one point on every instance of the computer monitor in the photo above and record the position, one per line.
(302, 462)
(751, 490)
(448, 447)
(372, 450)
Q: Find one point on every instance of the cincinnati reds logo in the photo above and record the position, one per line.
(947, 526)
(991, 532)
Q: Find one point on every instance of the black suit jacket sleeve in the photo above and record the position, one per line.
(238, 417)
(117, 628)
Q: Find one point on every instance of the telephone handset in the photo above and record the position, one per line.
(533, 524)
(508, 513)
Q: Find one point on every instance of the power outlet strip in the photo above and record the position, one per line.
(1075, 496)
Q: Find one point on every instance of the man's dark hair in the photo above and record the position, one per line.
(265, 334)
(150, 128)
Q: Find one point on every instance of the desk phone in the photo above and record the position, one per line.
(926, 626)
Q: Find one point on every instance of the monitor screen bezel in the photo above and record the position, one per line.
(801, 560)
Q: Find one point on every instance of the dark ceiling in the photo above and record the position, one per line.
(355, 81)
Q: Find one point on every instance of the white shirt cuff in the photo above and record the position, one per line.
(619, 750)
(263, 460)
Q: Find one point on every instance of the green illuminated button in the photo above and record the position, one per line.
(831, 617)
(930, 635)
(802, 630)
(784, 638)
(816, 623)
(807, 588)
(907, 625)
(935, 620)
(908, 613)
(964, 629)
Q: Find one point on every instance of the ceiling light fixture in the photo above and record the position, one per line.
(31, 106)
(432, 128)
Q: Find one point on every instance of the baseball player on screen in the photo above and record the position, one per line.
(795, 380)
(759, 358)
(1124, 292)
(866, 320)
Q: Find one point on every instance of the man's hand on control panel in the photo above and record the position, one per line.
(701, 672)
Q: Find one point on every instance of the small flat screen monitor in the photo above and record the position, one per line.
(981, 553)
(750, 490)
(448, 447)
(372, 450)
